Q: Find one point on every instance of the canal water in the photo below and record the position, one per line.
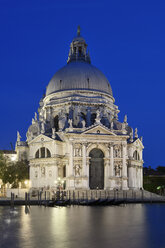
(130, 226)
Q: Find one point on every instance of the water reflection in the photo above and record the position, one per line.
(130, 226)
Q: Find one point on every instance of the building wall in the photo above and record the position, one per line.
(120, 169)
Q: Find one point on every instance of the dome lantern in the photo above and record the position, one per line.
(78, 49)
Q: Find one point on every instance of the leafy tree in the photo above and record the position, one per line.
(161, 169)
(2, 164)
(13, 173)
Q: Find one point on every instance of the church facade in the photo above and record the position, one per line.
(76, 140)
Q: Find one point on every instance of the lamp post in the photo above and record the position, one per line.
(59, 185)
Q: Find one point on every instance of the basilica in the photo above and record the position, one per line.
(76, 141)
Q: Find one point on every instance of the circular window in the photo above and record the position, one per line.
(98, 131)
(42, 139)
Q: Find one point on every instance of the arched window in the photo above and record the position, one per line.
(37, 154)
(136, 155)
(43, 153)
(80, 51)
(48, 153)
(56, 123)
(64, 171)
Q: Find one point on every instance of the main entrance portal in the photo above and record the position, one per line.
(96, 169)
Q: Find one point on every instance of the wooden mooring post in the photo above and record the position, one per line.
(142, 195)
(26, 199)
(38, 198)
(12, 200)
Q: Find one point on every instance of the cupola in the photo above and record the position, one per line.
(78, 49)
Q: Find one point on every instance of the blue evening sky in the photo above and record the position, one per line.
(126, 40)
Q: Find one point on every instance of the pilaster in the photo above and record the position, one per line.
(124, 169)
(111, 169)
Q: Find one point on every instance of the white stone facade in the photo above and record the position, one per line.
(76, 117)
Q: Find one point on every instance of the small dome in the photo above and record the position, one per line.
(79, 75)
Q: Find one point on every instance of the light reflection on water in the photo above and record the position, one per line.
(133, 226)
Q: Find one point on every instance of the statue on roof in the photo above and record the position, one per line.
(35, 117)
(125, 119)
(18, 137)
(136, 133)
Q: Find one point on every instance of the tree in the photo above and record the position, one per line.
(2, 164)
(161, 169)
(13, 173)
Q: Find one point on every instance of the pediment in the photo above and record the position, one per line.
(138, 142)
(98, 130)
(40, 138)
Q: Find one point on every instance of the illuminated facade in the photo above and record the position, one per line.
(76, 135)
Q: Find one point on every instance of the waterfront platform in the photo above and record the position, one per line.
(83, 197)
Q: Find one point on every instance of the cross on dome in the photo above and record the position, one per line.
(78, 31)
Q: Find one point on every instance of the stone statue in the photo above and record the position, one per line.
(53, 133)
(70, 123)
(131, 136)
(117, 152)
(112, 125)
(136, 133)
(141, 139)
(41, 115)
(35, 117)
(125, 119)
(62, 119)
(77, 169)
(83, 123)
(117, 169)
(97, 121)
(116, 116)
(76, 116)
(18, 137)
(29, 135)
(42, 127)
(33, 121)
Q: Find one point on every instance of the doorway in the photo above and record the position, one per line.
(96, 169)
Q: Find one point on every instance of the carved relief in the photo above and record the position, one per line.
(77, 169)
(77, 151)
(118, 167)
(36, 174)
(117, 151)
(42, 171)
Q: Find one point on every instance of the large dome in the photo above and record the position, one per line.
(79, 75)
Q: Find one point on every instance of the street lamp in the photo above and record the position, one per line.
(59, 185)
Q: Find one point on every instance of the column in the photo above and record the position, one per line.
(106, 173)
(71, 182)
(56, 171)
(135, 178)
(131, 176)
(85, 166)
(40, 153)
(84, 162)
(111, 169)
(141, 177)
(46, 152)
(124, 169)
(71, 160)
